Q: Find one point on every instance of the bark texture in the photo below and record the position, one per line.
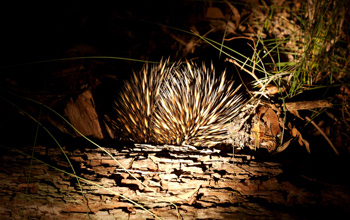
(204, 184)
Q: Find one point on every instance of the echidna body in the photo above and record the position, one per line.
(178, 104)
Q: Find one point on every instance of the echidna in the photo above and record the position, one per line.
(180, 104)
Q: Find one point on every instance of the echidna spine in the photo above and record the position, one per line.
(195, 107)
(177, 104)
(137, 100)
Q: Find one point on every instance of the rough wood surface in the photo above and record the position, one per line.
(204, 184)
(82, 115)
(294, 106)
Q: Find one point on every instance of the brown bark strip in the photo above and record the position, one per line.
(202, 183)
(83, 116)
(304, 105)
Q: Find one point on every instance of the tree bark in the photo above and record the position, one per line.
(202, 183)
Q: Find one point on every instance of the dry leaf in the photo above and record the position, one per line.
(214, 13)
(272, 122)
(236, 17)
(296, 113)
(302, 142)
(283, 147)
(271, 89)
